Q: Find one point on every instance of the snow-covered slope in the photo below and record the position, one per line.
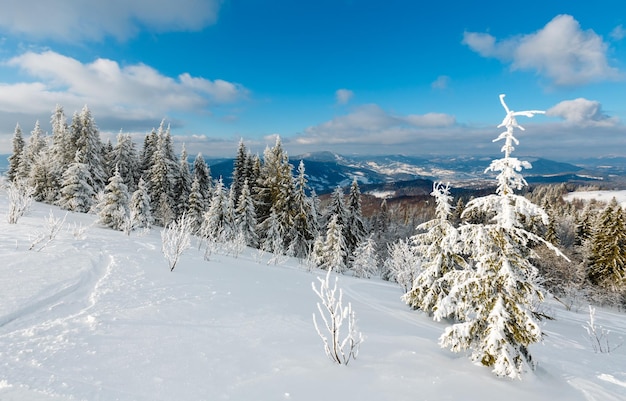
(99, 316)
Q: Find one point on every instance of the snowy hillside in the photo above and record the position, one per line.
(97, 315)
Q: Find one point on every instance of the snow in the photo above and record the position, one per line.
(99, 316)
(601, 196)
(381, 194)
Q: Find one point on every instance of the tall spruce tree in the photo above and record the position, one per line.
(202, 173)
(18, 148)
(607, 258)
(240, 170)
(354, 230)
(245, 216)
(77, 193)
(140, 208)
(495, 300)
(124, 158)
(196, 206)
(89, 145)
(113, 209)
(303, 228)
(182, 184)
(438, 246)
(275, 189)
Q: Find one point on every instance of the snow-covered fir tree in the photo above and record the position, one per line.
(196, 206)
(150, 146)
(336, 207)
(354, 229)
(18, 148)
(607, 249)
(495, 300)
(214, 224)
(124, 158)
(161, 179)
(240, 169)
(275, 188)
(303, 230)
(43, 178)
(438, 246)
(245, 216)
(364, 260)
(64, 150)
(140, 208)
(182, 184)
(331, 252)
(88, 143)
(202, 173)
(113, 209)
(403, 264)
(273, 240)
(77, 193)
(35, 146)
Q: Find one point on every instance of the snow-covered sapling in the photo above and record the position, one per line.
(176, 238)
(20, 199)
(333, 313)
(598, 336)
(53, 226)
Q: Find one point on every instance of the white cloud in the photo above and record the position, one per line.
(561, 51)
(343, 96)
(129, 93)
(618, 33)
(85, 20)
(371, 125)
(582, 112)
(441, 82)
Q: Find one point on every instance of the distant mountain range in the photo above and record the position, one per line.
(327, 170)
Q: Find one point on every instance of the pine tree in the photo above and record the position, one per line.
(354, 229)
(18, 149)
(365, 258)
(113, 209)
(161, 179)
(43, 178)
(275, 188)
(240, 169)
(124, 158)
(274, 239)
(140, 208)
(607, 260)
(303, 229)
(334, 248)
(495, 299)
(150, 146)
(336, 207)
(64, 150)
(182, 184)
(214, 224)
(107, 159)
(196, 206)
(31, 152)
(438, 246)
(89, 145)
(245, 216)
(202, 173)
(76, 193)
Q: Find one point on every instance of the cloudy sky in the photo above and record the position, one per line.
(367, 77)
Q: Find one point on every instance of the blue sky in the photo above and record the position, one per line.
(367, 77)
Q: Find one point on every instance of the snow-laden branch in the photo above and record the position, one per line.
(176, 238)
(339, 350)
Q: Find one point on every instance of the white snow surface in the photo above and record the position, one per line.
(601, 196)
(102, 318)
